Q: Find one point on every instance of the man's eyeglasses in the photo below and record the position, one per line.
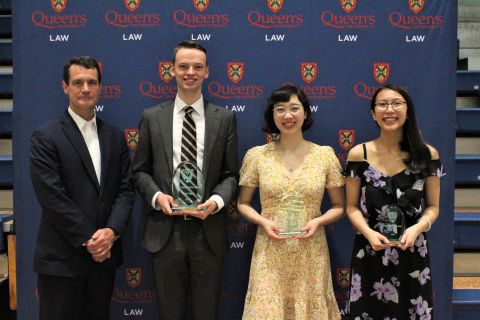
(397, 105)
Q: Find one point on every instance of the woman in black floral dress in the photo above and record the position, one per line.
(390, 280)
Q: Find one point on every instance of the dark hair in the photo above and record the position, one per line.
(419, 154)
(84, 61)
(188, 45)
(283, 94)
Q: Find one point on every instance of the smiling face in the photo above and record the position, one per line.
(289, 116)
(390, 111)
(190, 69)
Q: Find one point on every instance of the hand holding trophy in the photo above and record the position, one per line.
(187, 187)
(392, 224)
(291, 215)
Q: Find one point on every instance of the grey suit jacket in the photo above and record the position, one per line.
(153, 170)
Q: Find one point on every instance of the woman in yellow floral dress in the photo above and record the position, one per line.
(290, 276)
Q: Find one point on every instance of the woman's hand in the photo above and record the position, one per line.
(271, 228)
(377, 240)
(311, 228)
(410, 236)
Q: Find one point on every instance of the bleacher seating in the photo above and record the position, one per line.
(466, 301)
(6, 82)
(465, 304)
(468, 120)
(6, 52)
(467, 226)
(468, 83)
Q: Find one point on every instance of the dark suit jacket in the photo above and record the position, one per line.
(153, 170)
(73, 204)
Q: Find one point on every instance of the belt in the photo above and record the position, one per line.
(185, 217)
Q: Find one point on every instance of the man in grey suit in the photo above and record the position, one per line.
(188, 246)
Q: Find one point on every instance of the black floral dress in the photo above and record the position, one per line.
(390, 284)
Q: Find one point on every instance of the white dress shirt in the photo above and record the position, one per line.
(90, 135)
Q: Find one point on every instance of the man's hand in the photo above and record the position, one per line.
(165, 202)
(203, 210)
(100, 243)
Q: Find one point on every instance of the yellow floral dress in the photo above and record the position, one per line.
(290, 279)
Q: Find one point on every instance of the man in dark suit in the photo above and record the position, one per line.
(80, 170)
(187, 247)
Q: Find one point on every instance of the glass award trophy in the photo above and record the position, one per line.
(187, 187)
(392, 224)
(291, 215)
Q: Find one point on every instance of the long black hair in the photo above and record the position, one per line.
(419, 154)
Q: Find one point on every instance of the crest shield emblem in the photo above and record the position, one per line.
(236, 71)
(201, 5)
(275, 5)
(309, 71)
(348, 5)
(346, 138)
(381, 72)
(343, 277)
(133, 276)
(416, 6)
(132, 5)
(165, 69)
(131, 137)
(58, 5)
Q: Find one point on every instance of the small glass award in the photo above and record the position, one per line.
(392, 224)
(187, 187)
(291, 215)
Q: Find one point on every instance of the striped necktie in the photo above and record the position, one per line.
(188, 179)
(189, 137)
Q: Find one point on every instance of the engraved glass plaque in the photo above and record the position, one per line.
(392, 223)
(187, 188)
(291, 215)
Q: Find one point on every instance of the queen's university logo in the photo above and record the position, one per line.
(348, 5)
(309, 71)
(58, 5)
(343, 277)
(275, 5)
(201, 5)
(165, 69)
(131, 136)
(132, 5)
(133, 276)
(346, 138)
(236, 71)
(416, 6)
(381, 72)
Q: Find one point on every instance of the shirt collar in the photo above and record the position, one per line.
(180, 105)
(79, 120)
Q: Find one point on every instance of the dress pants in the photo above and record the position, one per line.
(78, 298)
(186, 270)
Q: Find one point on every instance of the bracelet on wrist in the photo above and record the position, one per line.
(429, 224)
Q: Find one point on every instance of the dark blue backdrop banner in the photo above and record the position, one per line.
(338, 51)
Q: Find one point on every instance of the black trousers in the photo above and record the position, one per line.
(79, 298)
(186, 270)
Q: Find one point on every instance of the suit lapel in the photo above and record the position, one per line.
(76, 139)
(212, 124)
(164, 117)
(104, 140)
